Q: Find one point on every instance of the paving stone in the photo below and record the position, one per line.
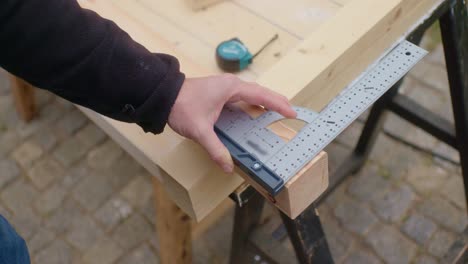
(440, 243)
(431, 75)
(113, 212)
(46, 139)
(44, 172)
(444, 213)
(383, 147)
(62, 219)
(18, 195)
(64, 104)
(141, 255)
(123, 171)
(217, 237)
(92, 191)
(361, 257)
(42, 97)
(338, 195)
(138, 191)
(419, 228)
(27, 153)
(50, 200)
(425, 259)
(401, 128)
(91, 135)
(56, 253)
(436, 56)
(453, 190)
(10, 119)
(105, 155)
(75, 175)
(26, 129)
(149, 211)
(201, 255)
(393, 205)
(83, 233)
(432, 99)
(8, 140)
(70, 151)
(8, 172)
(50, 113)
(26, 222)
(5, 212)
(390, 245)
(105, 251)
(132, 232)
(339, 241)
(446, 151)
(369, 184)
(40, 240)
(426, 178)
(355, 217)
(402, 160)
(71, 122)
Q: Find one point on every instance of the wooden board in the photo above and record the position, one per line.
(332, 56)
(333, 53)
(198, 185)
(200, 4)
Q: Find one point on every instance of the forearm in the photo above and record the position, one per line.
(56, 45)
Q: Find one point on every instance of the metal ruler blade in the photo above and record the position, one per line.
(270, 160)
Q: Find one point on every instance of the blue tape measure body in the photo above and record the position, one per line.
(232, 55)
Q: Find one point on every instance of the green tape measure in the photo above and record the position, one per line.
(233, 56)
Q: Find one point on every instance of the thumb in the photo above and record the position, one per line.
(216, 149)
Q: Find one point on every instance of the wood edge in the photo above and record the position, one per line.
(303, 189)
(314, 176)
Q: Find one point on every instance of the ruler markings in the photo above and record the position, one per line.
(287, 158)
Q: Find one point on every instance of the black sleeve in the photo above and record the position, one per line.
(78, 55)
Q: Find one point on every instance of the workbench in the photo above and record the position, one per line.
(323, 45)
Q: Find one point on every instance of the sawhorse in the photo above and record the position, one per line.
(305, 231)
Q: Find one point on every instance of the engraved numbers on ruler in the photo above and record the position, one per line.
(344, 109)
(286, 159)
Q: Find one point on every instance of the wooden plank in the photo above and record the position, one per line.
(174, 229)
(312, 74)
(200, 4)
(302, 189)
(224, 21)
(299, 17)
(191, 179)
(23, 96)
(178, 39)
(332, 56)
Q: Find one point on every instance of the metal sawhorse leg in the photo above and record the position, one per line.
(305, 231)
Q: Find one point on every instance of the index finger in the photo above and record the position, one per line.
(257, 95)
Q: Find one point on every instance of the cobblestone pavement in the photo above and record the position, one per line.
(77, 197)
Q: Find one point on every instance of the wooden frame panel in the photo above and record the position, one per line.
(311, 74)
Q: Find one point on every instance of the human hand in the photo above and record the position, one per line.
(199, 105)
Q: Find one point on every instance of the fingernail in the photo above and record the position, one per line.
(228, 168)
